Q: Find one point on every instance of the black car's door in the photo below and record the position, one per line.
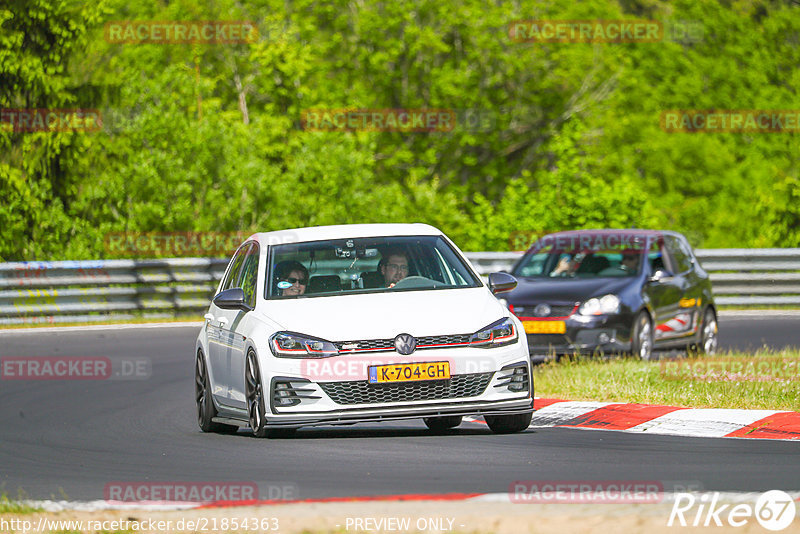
(665, 289)
(673, 319)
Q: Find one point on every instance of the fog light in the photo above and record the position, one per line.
(519, 379)
(603, 338)
(283, 395)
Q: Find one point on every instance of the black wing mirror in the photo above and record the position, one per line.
(232, 299)
(500, 282)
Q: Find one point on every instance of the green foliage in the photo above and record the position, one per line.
(207, 137)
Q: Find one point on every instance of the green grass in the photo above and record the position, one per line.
(7, 506)
(625, 379)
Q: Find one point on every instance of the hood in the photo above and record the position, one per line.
(385, 315)
(565, 290)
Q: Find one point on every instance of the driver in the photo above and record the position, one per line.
(630, 261)
(394, 267)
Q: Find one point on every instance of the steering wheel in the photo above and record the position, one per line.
(415, 281)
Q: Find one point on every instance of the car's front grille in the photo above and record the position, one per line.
(423, 342)
(365, 344)
(556, 310)
(443, 340)
(362, 392)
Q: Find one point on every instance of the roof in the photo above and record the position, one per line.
(343, 231)
(611, 231)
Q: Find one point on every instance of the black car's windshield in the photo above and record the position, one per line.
(374, 264)
(583, 256)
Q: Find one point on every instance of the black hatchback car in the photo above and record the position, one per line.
(613, 291)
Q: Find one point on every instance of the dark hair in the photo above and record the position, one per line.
(285, 268)
(389, 252)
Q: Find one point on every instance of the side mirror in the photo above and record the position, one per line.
(500, 282)
(659, 275)
(232, 299)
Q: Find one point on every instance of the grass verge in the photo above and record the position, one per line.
(8, 506)
(763, 380)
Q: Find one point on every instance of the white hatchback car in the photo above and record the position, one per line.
(359, 323)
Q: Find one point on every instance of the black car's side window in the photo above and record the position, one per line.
(235, 269)
(679, 256)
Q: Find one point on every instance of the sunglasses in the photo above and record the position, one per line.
(301, 281)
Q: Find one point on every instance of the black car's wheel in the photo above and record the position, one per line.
(707, 335)
(507, 424)
(642, 337)
(254, 392)
(205, 405)
(440, 424)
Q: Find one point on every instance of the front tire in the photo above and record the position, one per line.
(508, 424)
(254, 392)
(708, 340)
(205, 404)
(642, 337)
(440, 424)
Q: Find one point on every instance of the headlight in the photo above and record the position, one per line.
(497, 334)
(600, 306)
(294, 345)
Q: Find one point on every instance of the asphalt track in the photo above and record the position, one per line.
(69, 439)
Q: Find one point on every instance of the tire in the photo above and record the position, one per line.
(440, 424)
(708, 340)
(508, 424)
(206, 410)
(254, 393)
(642, 337)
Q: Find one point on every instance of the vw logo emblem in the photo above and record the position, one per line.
(541, 310)
(405, 344)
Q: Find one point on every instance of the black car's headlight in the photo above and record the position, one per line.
(600, 306)
(497, 334)
(294, 345)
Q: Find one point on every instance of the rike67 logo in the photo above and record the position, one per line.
(774, 510)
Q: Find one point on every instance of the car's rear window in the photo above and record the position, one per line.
(584, 256)
(374, 264)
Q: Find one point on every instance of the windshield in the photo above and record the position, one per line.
(373, 264)
(583, 256)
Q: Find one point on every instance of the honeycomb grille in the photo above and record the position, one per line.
(368, 344)
(388, 344)
(441, 340)
(362, 392)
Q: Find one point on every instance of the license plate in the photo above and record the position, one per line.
(409, 372)
(545, 327)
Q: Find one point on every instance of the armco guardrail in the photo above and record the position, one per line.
(82, 291)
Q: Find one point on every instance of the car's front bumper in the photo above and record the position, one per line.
(606, 334)
(324, 393)
(345, 417)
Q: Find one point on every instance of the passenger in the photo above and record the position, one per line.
(393, 267)
(566, 265)
(294, 273)
(630, 261)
